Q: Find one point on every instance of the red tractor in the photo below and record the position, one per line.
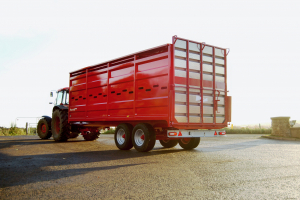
(58, 125)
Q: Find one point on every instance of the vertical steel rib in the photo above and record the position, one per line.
(188, 82)
(214, 87)
(201, 82)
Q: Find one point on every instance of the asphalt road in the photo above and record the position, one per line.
(231, 167)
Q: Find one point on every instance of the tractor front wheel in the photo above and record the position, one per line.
(44, 128)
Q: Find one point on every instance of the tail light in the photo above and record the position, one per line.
(172, 133)
(222, 133)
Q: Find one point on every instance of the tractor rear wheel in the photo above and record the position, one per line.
(60, 126)
(168, 143)
(44, 128)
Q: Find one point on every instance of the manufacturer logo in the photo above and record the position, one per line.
(74, 109)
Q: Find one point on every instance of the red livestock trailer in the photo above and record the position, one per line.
(165, 93)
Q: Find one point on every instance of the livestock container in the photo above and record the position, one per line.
(180, 85)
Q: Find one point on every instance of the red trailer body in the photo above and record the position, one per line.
(182, 85)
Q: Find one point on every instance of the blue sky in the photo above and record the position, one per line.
(40, 43)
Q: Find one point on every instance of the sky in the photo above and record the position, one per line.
(42, 41)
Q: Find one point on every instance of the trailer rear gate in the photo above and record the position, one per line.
(195, 81)
(164, 83)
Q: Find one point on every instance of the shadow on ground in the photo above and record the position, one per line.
(21, 170)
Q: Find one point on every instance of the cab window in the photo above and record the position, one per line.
(59, 97)
(67, 97)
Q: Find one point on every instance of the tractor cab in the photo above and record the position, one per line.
(62, 97)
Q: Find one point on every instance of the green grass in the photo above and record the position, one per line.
(248, 131)
(13, 130)
(110, 131)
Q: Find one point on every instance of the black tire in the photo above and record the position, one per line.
(149, 138)
(74, 132)
(59, 126)
(191, 144)
(73, 135)
(91, 136)
(44, 128)
(168, 143)
(123, 135)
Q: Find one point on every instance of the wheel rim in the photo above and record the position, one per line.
(44, 128)
(139, 137)
(185, 140)
(57, 125)
(121, 136)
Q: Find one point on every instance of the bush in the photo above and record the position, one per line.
(248, 131)
(4, 131)
(32, 131)
(110, 131)
(13, 130)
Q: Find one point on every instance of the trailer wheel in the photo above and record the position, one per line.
(92, 136)
(44, 128)
(189, 143)
(123, 136)
(73, 135)
(60, 126)
(168, 143)
(143, 137)
(74, 132)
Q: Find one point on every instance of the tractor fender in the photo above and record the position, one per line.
(59, 107)
(46, 117)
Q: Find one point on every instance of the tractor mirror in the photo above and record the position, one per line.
(51, 94)
(50, 102)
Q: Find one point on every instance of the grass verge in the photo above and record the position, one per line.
(13, 130)
(248, 131)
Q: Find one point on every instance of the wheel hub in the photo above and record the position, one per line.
(185, 140)
(44, 128)
(57, 125)
(121, 136)
(139, 137)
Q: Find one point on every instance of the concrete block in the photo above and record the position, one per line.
(281, 126)
(295, 132)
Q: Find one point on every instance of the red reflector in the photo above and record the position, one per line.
(172, 134)
(222, 133)
(216, 133)
(180, 134)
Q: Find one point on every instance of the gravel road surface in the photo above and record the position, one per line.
(231, 167)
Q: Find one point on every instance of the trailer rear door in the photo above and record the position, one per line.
(200, 83)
